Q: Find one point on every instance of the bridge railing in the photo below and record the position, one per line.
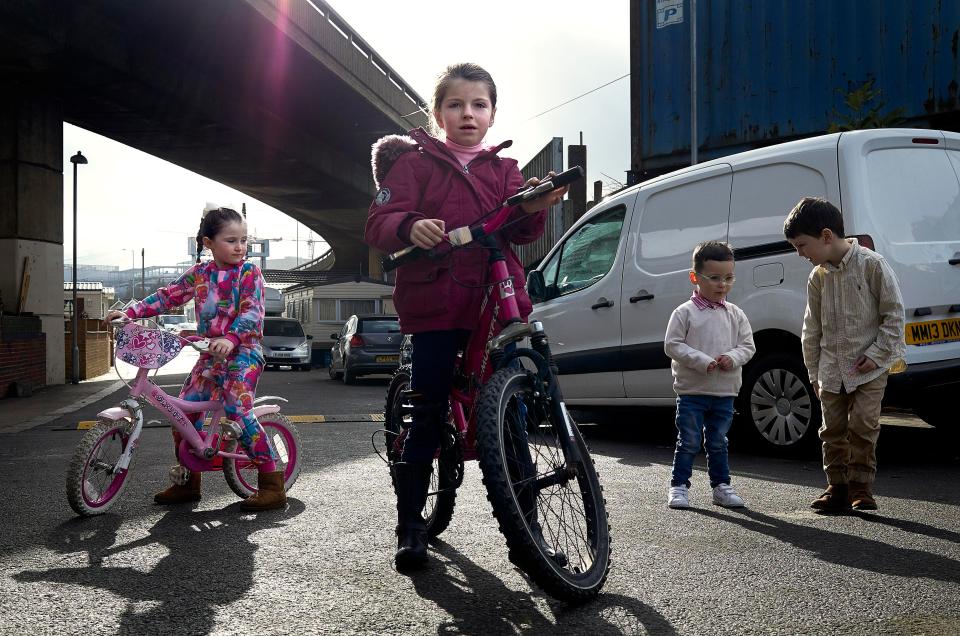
(333, 35)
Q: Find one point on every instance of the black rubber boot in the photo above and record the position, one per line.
(411, 482)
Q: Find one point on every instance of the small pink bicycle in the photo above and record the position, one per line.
(507, 412)
(102, 460)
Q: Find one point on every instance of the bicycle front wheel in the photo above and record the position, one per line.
(550, 508)
(93, 481)
(284, 439)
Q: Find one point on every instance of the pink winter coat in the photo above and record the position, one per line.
(419, 178)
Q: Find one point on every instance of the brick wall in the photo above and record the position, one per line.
(95, 349)
(23, 353)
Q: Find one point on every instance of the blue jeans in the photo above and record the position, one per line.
(702, 418)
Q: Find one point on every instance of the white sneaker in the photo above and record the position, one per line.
(679, 497)
(724, 495)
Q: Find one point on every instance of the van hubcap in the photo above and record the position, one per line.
(780, 407)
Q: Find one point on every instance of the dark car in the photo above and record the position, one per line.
(284, 343)
(366, 345)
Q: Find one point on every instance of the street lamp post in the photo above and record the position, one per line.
(76, 160)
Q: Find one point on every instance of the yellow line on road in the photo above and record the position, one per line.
(84, 425)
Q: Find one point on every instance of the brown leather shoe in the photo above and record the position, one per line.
(177, 494)
(860, 496)
(834, 499)
(270, 495)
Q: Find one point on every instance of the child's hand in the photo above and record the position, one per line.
(712, 367)
(426, 233)
(724, 362)
(864, 365)
(816, 388)
(544, 201)
(220, 347)
(113, 314)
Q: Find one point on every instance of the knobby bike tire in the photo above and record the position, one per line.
(91, 490)
(438, 511)
(241, 482)
(584, 537)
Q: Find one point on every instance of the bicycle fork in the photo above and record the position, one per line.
(135, 409)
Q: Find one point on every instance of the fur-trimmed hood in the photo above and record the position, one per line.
(385, 153)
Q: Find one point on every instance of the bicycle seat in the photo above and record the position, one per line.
(146, 348)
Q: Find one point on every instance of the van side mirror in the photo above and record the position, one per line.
(334, 336)
(309, 337)
(536, 286)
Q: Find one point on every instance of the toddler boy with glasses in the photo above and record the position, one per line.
(708, 341)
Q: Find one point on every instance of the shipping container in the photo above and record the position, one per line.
(773, 71)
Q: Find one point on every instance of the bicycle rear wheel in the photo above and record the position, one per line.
(551, 510)
(92, 483)
(284, 438)
(447, 469)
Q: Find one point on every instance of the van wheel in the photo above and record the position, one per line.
(777, 403)
(333, 374)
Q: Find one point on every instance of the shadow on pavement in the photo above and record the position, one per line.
(851, 551)
(456, 584)
(209, 562)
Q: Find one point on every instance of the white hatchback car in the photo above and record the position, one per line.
(606, 291)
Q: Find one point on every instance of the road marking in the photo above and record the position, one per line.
(84, 425)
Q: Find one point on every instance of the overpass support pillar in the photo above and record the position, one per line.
(31, 209)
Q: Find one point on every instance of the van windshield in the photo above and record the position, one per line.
(173, 320)
(282, 328)
(915, 194)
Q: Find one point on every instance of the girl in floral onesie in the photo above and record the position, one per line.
(228, 294)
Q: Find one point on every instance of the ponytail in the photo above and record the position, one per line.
(212, 222)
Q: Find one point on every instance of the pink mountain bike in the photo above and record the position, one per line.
(102, 460)
(506, 411)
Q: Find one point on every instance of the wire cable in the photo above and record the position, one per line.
(592, 90)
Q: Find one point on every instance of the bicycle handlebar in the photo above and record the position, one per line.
(463, 235)
(198, 343)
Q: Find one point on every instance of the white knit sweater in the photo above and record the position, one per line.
(696, 337)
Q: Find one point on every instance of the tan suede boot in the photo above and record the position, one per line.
(834, 499)
(177, 494)
(860, 496)
(271, 493)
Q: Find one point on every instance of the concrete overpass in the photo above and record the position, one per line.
(278, 99)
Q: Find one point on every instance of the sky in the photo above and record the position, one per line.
(540, 57)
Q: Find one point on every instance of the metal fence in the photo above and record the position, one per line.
(549, 158)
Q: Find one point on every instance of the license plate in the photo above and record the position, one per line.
(388, 358)
(280, 354)
(932, 331)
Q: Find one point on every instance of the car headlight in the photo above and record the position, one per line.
(302, 349)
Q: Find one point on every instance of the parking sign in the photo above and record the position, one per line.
(669, 12)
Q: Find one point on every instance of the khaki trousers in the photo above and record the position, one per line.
(851, 426)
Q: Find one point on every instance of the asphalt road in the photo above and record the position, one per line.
(324, 566)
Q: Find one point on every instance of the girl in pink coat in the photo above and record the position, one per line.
(426, 187)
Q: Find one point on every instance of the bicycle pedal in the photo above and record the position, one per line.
(230, 430)
(179, 475)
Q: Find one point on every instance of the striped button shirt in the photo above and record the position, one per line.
(852, 309)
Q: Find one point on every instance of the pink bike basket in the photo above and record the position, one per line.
(146, 348)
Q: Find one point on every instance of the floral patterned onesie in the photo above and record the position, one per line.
(229, 304)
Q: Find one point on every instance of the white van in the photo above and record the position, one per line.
(606, 291)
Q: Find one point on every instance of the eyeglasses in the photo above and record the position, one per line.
(717, 278)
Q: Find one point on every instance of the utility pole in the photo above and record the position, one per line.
(693, 83)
